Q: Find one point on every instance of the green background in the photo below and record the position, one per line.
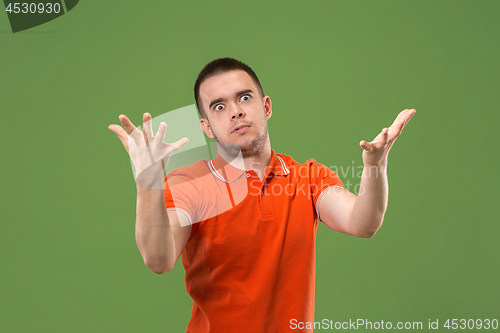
(337, 73)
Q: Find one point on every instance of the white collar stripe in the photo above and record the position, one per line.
(215, 172)
(283, 165)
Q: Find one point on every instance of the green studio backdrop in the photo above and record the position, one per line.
(337, 73)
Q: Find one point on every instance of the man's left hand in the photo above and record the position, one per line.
(376, 152)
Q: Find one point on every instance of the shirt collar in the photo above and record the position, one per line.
(229, 173)
(278, 165)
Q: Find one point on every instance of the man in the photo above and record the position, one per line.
(246, 221)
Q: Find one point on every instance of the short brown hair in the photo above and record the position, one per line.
(217, 67)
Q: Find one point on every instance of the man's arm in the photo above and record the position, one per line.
(362, 215)
(159, 235)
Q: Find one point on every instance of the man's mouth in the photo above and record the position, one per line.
(240, 129)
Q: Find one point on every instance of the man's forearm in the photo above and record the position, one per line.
(369, 209)
(153, 232)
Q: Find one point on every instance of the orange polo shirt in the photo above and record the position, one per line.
(250, 259)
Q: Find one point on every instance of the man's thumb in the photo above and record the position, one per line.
(365, 145)
(179, 144)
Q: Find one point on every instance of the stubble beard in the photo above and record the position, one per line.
(254, 149)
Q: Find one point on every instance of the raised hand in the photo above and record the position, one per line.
(148, 152)
(376, 152)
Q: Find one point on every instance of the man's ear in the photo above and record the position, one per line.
(205, 126)
(268, 107)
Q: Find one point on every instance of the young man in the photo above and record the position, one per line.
(245, 222)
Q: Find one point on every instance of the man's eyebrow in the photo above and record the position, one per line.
(239, 93)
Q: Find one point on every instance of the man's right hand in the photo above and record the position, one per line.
(149, 153)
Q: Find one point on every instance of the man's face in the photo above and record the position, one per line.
(237, 113)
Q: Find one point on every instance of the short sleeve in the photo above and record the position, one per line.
(180, 194)
(322, 179)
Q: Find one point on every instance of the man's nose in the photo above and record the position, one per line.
(237, 112)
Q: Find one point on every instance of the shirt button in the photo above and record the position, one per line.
(248, 175)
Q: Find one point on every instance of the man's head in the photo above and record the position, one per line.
(217, 67)
(233, 107)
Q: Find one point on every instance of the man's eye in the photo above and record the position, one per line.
(244, 98)
(219, 107)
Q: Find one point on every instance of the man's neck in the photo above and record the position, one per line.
(258, 163)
